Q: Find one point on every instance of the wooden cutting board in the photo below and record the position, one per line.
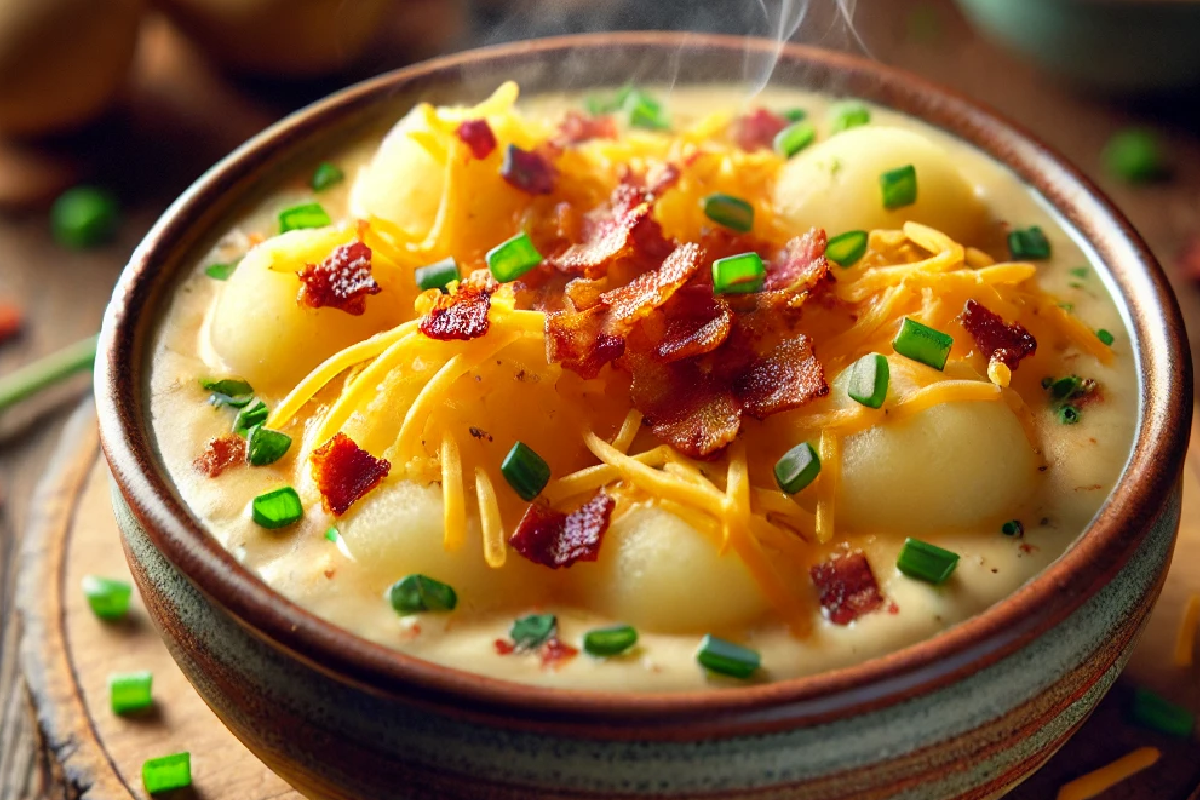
(67, 655)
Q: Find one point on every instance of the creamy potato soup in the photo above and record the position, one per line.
(646, 390)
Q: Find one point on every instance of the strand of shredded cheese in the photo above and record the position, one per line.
(773, 501)
(454, 504)
(737, 493)
(829, 452)
(1185, 637)
(629, 429)
(1075, 331)
(589, 479)
(490, 522)
(1104, 778)
(662, 484)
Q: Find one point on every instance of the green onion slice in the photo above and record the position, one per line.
(308, 215)
(438, 274)
(1135, 155)
(644, 111)
(868, 382)
(511, 259)
(732, 212)
(533, 630)
(265, 446)
(923, 343)
(1105, 336)
(108, 598)
(221, 271)
(331, 534)
(232, 392)
(899, 187)
(1029, 244)
(740, 274)
(167, 773)
(277, 508)
(794, 114)
(726, 658)
(797, 468)
(325, 176)
(254, 414)
(844, 116)
(414, 594)
(1068, 415)
(129, 692)
(610, 641)
(794, 138)
(847, 248)
(84, 216)
(1013, 528)
(1080, 272)
(926, 562)
(526, 472)
(1162, 715)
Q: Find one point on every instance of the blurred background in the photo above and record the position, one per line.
(134, 99)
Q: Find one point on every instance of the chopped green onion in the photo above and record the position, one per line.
(847, 248)
(732, 212)
(1068, 415)
(868, 382)
(533, 630)
(526, 472)
(167, 773)
(922, 343)
(1029, 244)
(899, 187)
(1135, 155)
(794, 138)
(1047, 382)
(130, 691)
(1068, 307)
(413, 594)
(265, 446)
(438, 274)
(740, 274)
(277, 508)
(511, 259)
(844, 116)
(926, 562)
(1080, 272)
(308, 215)
(331, 534)
(598, 105)
(726, 658)
(107, 597)
(797, 468)
(30, 379)
(325, 176)
(794, 114)
(248, 417)
(1013, 528)
(1160, 714)
(1063, 388)
(644, 111)
(1075, 285)
(1105, 336)
(232, 392)
(610, 641)
(221, 271)
(84, 216)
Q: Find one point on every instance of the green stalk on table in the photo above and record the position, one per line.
(32, 378)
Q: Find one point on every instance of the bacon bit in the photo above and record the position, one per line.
(504, 647)
(344, 472)
(893, 609)
(801, 262)
(556, 652)
(464, 314)
(579, 343)
(553, 539)
(661, 177)
(11, 320)
(329, 573)
(479, 433)
(847, 587)
(697, 323)
(584, 293)
(477, 135)
(787, 378)
(1007, 344)
(220, 454)
(683, 406)
(757, 129)
(342, 281)
(624, 228)
(636, 299)
(577, 128)
(1027, 548)
(527, 171)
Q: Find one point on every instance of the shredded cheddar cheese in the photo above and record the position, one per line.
(1094, 783)
(453, 500)
(490, 522)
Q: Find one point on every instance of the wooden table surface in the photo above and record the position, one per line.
(181, 115)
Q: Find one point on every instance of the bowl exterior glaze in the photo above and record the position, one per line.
(966, 714)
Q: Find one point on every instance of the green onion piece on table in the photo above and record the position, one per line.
(130, 692)
(740, 274)
(84, 216)
(1135, 155)
(794, 114)
(794, 138)
(1105, 336)
(644, 111)
(526, 472)
(1013, 528)
(1029, 244)
(30, 379)
(254, 414)
(726, 658)
(308, 215)
(926, 562)
(533, 630)
(922, 343)
(899, 187)
(511, 259)
(847, 248)
(277, 508)
(265, 446)
(167, 773)
(732, 212)
(868, 383)
(845, 116)
(609, 641)
(221, 271)
(414, 594)
(1153, 711)
(108, 598)
(797, 468)
(325, 176)
(1068, 415)
(438, 274)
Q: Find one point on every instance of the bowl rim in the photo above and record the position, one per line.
(1140, 496)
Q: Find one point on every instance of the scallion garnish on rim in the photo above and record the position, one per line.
(609, 641)
(511, 259)
(847, 248)
(277, 508)
(926, 562)
(922, 343)
(726, 658)
(438, 274)
(732, 212)
(414, 594)
(526, 472)
(797, 468)
(740, 274)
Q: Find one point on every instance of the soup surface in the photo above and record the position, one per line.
(772, 387)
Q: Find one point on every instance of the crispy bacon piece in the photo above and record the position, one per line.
(577, 128)
(342, 281)
(696, 323)
(687, 409)
(847, 587)
(1007, 344)
(585, 293)
(477, 135)
(553, 539)
(344, 472)
(555, 652)
(624, 228)
(528, 171)
(801, 263)
(220, 454)
(788, 377)
(464, 314)
(11, 320)
(756, 129)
